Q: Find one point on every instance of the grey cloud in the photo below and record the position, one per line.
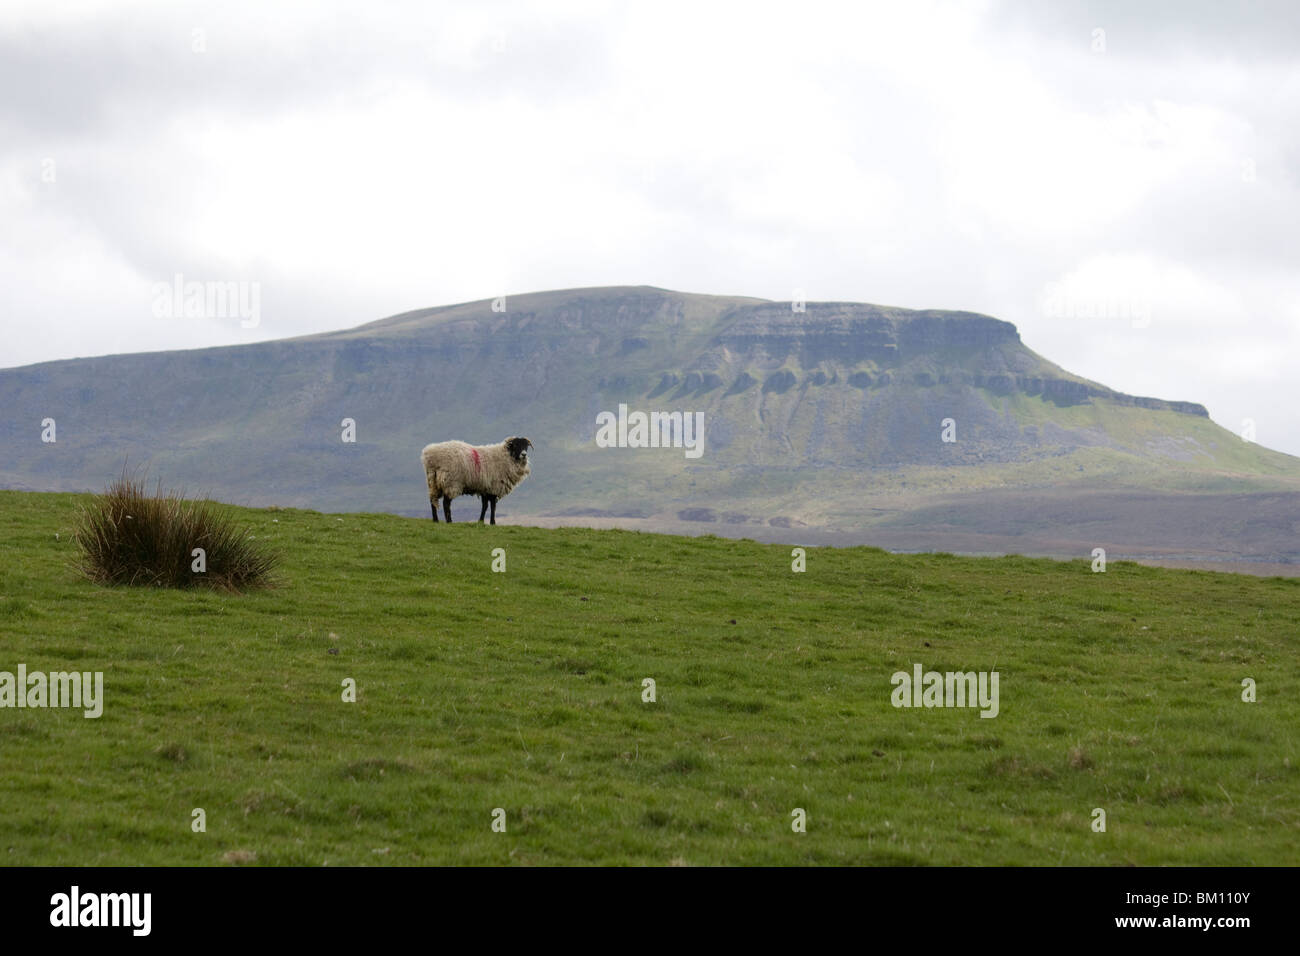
(116, 73)
(1246, 30)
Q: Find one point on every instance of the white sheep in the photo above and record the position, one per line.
(455, 468)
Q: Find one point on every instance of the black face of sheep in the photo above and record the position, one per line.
(518, 448)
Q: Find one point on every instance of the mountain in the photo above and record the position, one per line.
(821, 423)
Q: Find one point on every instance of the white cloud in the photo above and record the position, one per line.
(361, 160)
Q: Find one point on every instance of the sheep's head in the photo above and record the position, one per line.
(518, 449)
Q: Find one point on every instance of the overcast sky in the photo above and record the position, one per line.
(1120, 180)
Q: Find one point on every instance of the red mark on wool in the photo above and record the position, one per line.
(478, 465)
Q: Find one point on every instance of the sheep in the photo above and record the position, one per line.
(454, 468)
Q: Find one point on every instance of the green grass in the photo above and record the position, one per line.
(522, 690)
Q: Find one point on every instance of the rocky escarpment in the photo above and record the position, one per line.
(776, 347)
(1059, 391)
(1072, 392)
(850, 333)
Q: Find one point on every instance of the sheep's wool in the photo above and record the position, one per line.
(455, 468)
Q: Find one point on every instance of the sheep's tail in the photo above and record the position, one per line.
(430, 469)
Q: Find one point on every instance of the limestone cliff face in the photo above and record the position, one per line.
(846, 332)
(867, 346)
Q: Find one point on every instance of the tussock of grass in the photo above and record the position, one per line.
(129, 537)
(173, 752)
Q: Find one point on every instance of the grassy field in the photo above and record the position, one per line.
(522, 690)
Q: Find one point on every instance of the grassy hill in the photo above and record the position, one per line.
(522, 690)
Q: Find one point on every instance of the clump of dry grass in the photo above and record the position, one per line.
(1079, 759)
(127, 536)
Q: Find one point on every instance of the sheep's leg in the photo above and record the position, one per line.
(446, 507)
(494, 509)
(433, 506)
(484, 511)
